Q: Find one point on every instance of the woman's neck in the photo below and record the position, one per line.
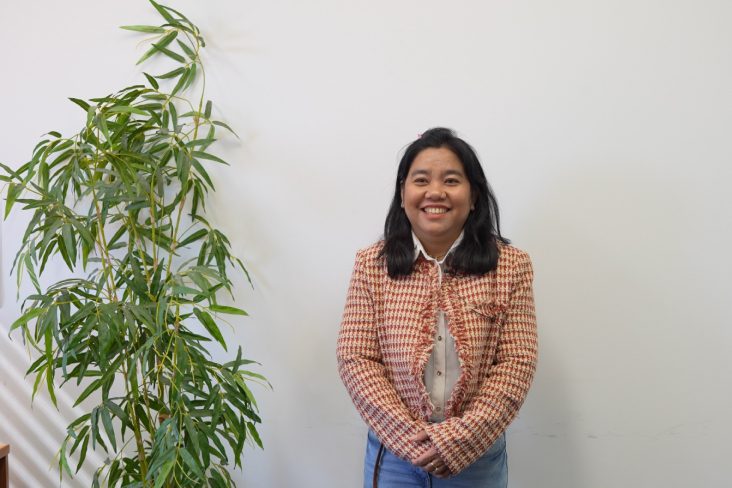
(437, 249)
(437, 253)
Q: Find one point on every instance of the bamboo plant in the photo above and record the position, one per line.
(122, 203)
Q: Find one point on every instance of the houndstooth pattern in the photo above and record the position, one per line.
(386, 339)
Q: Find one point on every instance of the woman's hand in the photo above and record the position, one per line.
(430, 461)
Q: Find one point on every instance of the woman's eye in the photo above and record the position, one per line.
(452, 181)
(420, 181)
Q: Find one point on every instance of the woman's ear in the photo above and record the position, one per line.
(401, 194)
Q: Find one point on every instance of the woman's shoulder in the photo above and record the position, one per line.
(371, 255)
(512, 261)
(511, 255)
(370, 263)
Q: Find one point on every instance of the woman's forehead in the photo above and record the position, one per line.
(436, 160)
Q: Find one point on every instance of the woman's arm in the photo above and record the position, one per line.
(462, 440)
(362, 371)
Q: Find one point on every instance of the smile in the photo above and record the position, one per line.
(435, 210)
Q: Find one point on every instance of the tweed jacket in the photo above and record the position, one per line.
(386, 338)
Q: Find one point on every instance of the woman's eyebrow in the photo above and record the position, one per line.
(444, 173)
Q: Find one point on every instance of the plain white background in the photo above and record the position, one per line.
(603, 126)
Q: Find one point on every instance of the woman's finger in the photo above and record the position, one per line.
(425, 458)
(419, 437)
(435, 465)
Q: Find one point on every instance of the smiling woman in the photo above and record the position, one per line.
(436, 198)
(437, 347)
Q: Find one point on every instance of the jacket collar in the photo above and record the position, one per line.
(419, 248)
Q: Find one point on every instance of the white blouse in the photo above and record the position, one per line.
(443, 368)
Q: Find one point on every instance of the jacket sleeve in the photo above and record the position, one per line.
(462, 440)
(363, 373)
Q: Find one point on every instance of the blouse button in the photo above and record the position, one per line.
(439, 373)
(439, 338)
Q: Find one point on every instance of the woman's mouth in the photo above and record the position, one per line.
(435, 210)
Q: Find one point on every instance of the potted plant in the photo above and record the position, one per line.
(122, 204)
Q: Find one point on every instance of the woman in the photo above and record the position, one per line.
(437, 346)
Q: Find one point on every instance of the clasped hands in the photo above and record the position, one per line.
(430, 461)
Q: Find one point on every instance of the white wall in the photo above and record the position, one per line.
(604, 127)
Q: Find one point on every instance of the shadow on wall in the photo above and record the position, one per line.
(541, 442)
(603, 238)
(34, 432)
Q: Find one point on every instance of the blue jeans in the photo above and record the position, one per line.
(489, 471)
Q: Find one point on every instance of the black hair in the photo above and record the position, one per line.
(478, 252)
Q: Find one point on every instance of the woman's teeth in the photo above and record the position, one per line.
(435, 210)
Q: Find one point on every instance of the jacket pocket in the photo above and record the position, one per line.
(488, 309)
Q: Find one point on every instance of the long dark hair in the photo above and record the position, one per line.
(478, 252)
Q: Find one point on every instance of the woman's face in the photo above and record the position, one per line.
(436, 197)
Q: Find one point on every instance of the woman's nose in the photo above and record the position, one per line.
(436, 194)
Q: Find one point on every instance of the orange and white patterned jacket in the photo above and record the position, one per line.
(386, 339)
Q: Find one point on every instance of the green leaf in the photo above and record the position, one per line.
(171, 54)
(64, 252)
(225, 126)
(218, 478)
(207, 111)
(8, 170)
(117, 411)
(166, 39)
(82, 454)
(30, 269)
(78, 436)
(29, 315)
(93, 386)
(36, 383)
(163, 11)
(80, 103)
(50, 369)
(181, 82)
(171, 74)
(147, 54)
(149, 29)
(153, 82)
(210, 157)
(164, 471)
(191, 462)
(14, 191)
(243, 385)
(108, 428)
(192, 433)
(173, 117)
(191, 54)
(191, 75)
(83, 231)
(210, 326)
(125, 109)
(204, 448)
(101, 123)
(227, 309)
(201, 171)
(63, 462)
(69, 242)
(193, 237)
(255, 435)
